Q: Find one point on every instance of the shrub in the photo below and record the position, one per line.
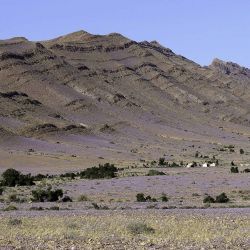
(37, 208)
(10, 208)
(162, 161)
(174, 165)
(1, 190)
(95, 206)
(103, 171)
(56, 208)
(164, 198)
(82, 198)
(12, 177)
(222, 198)
(14, 222)
(153, 172)
(49, 195)
(247, 170)
(234, 170)
(69, 175)
(66, 199)
(208, 199)
(140, 197)
(232, 163)
(13, 198)
(136, 228)
(242, 151)
(98, 207)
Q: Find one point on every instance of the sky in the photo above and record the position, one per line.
(200, 30)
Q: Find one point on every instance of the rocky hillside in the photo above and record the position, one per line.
(114, 98)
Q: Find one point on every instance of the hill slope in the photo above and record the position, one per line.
(108, 98)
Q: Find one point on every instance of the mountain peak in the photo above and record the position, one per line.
(74, 37)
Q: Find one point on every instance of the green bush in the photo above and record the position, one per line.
(140, 197)
(12, 177)
(162, 161)
(136, 228)
(222, 198)
(242, 151)
(164, 198)
(234, 170)
(208, 199)
(103, 171)
(69, 175)
(153, 172)
(48, 195)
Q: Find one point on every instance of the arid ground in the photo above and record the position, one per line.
(80, 100)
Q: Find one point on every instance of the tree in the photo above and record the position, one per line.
(11, 177)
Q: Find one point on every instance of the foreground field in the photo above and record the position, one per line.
(140, 229)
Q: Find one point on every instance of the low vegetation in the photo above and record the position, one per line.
(234, 170)
(153, 172)
(222, 198)
(136, 228)
(128, 230)
(49, 195)
(103, 171)
(12, 178)
(140, 197)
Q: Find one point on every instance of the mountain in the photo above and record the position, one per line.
(83, 99)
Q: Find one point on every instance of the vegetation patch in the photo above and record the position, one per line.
(141, 198)
(140, 228)
(103, 171)
(153, 172)
(12, 178)
(222, 198)
(49, 195)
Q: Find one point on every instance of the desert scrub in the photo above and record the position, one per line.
(139, 228)
(102, 171)
(99, 207)
(164, 198)
(141, 198)
(221, 198)
(153, 172)
(10, 208)
(180, 231)
(82, 198)
(234, 169)
(208, 199)
(14, 222)
(49, 195)
(12, 178)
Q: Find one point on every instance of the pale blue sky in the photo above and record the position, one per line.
(198, 29)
